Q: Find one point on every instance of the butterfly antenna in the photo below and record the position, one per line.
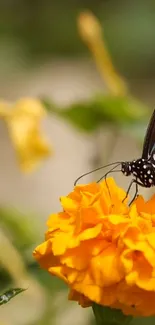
(96, 169)
(112, 170)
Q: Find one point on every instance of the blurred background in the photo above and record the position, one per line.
(44, 56)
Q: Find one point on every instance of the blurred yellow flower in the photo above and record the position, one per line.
(103, 249)
(23, 121)
(92, 34)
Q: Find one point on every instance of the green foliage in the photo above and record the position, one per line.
(108, 316)
(21, 227)
(102, 110)
(25, 234)
(46, 29)
(119, 110)
(81, 115)
(6, 280)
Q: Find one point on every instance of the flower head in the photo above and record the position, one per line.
(23, 121)
(103, 249)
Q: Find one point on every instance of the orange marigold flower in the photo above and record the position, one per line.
(103, 249)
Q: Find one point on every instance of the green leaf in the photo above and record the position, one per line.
(120, 110)
(108, 316)
(11, 293)
(24, 231)
(101, 110)
(82, 114)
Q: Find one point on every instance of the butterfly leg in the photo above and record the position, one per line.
(132, 182)
(136, 192)
(137, 183)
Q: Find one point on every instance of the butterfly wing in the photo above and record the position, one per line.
(149, 141)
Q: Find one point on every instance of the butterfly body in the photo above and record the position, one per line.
(142, 169)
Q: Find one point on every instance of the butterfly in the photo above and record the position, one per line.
(142, 169)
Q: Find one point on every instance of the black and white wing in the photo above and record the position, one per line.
(149, 141)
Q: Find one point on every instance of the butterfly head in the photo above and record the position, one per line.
(126, 168)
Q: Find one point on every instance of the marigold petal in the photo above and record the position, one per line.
(79, 257)
(94, 216)
(127, 260)
(91, 189)
(44, 256)
(118, 219)
(68, 204)
(82, 300)
(42, 249)
(58, 271)
(57, 247)
(106, 268)
(56, 219)
(96, 294)
(90, 232)
(151, 239)
(76, 258)
(87, 234)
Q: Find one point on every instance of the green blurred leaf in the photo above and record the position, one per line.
(120, 109)
(81, 114)
(6, 280)
(23, 230)
(108, 316)
(102, 110)
(8, 295)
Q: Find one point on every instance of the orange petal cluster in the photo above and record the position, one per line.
(103, 249)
